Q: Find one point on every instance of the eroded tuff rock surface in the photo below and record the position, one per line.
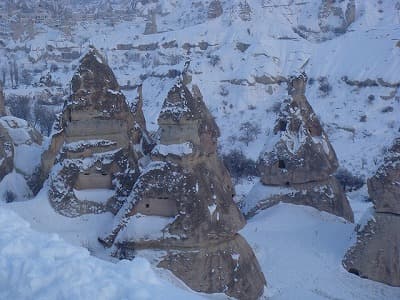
(214, 9)
(299, 158)
(20, 146)
(185, 193)
(96, 146)
(6, 148)
(384, 187)
(376, 254)
(2, 101)
(333, 19)
(6, 153)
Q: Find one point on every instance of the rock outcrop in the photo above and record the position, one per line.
(376, 254)
(336, 17)
(151, 26)
(333, 18)
(24, 146)
(6, 153)
(182, 202)
(96, 143)
(2, 101)
(20, 148)
(6, 148)
(214, 9)
(300, 159)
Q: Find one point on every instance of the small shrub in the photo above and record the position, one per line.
(239, 165)
(249, 132)
(324, 86)
(10, 196)
(363, 118)
(20, 106)
(214, 60)
(54, 68)
(26, 77)
(371, 99)
(348, 181)
(387, 109)
(223, 91)
(44, 118)
(276, 107)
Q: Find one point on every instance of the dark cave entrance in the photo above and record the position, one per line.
(281, 164)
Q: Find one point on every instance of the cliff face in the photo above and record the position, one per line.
(300, 159)
(95, 146)
(2, 101)
(188, 190)
(6, 147)
(6, 153)
(376, 254)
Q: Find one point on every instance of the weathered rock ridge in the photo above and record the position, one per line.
(300, 158)
(2, 101)
(6, 153)
(96, 144)
(376, 254)
(6, 148)
(20, 146)
(187, 191)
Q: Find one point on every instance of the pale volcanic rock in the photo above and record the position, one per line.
(300, 157)
(187, 191)
(95, 146)
(376, 254)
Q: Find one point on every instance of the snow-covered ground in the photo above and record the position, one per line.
(34, 265)
(48, 256)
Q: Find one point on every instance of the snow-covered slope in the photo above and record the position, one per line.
(42, 266)
(301, 250)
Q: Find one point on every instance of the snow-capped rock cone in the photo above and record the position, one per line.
(299, 151)
(95, 146)
(376, 254)
(183, 202)
(300, 159)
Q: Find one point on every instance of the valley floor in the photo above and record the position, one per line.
(43, 256)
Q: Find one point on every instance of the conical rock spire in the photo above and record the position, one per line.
(298, 162)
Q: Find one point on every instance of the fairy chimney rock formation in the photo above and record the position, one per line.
(300, 159)
(376, 254)
(95, 145)
(185, 118)
(187, 191)
(300, 151)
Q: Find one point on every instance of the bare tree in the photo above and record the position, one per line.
(4, 72)
(11, 74)
(249, 132)
(16, 78)
(19, 106)
(44, 118)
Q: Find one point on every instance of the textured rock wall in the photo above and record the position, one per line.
(376, 254)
